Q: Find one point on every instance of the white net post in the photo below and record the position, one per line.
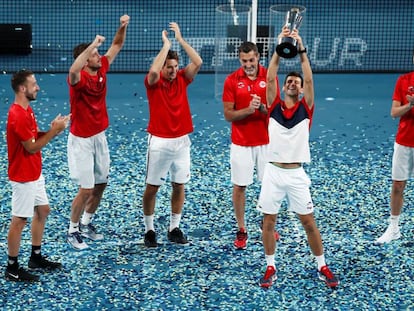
(232, 23)
(253, 26)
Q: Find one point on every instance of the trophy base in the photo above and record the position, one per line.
(287, 47)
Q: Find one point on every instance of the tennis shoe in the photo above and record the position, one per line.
(75, 240)
(390, 234)
(269, 277)
(89, 231)
(20, 275)
(241, 239)
(326, 275)
(150, 239)
(177, 236)
(42, 262)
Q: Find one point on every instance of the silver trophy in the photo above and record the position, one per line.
(287, 46)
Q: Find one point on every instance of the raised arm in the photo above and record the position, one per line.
(118, 40)
(308, 88)
(82, 59)
(159, 60)
(194, 66)
(271, 85)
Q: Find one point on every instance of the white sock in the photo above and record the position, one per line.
(73, 227)
(321, 261)
(149, 223)
(174, 221)
(270, 260)
(394, 221)
(86, 218)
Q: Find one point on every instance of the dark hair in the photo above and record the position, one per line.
(172, 55)
(77, 50)
(247, 47)
(19, 78)
(294, 74)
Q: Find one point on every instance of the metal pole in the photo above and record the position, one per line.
(253, 26)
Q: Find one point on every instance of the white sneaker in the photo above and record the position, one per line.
(76, 241)
(389, 235)
(89, 231)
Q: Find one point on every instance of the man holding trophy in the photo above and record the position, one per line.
(284, 176)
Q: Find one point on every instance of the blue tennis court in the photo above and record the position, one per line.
(351, 143)
(357, 50)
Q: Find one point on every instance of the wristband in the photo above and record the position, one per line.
(302, 51)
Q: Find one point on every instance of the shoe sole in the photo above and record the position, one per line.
(181, 244)
(20, 280)
(239, 248)
(77, 248)
(90, 238)
(12, 279)
(149, 244)
(322, 278)
(265, 285)
(32, 267)
(377, 242)
(178, 243)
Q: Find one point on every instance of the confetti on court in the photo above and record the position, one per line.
(350, 171)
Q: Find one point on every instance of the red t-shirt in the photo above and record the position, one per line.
(169, 110)
(238, 88)
(22, 126)
(88, 103)
(405, 132)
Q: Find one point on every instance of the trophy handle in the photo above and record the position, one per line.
(287, 19)
(297, 22)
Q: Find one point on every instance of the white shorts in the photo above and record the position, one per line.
(243, 160)
(402, 163)
(88, 160)
(25, 196)
(280, 183)
(168, 155)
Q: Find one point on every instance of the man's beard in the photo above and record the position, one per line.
(96, 67)
(250, 71)
(30, 97)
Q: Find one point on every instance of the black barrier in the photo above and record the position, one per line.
(15, 39)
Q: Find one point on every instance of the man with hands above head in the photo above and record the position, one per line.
(170, 124)
(88, 152)
(284, 176)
